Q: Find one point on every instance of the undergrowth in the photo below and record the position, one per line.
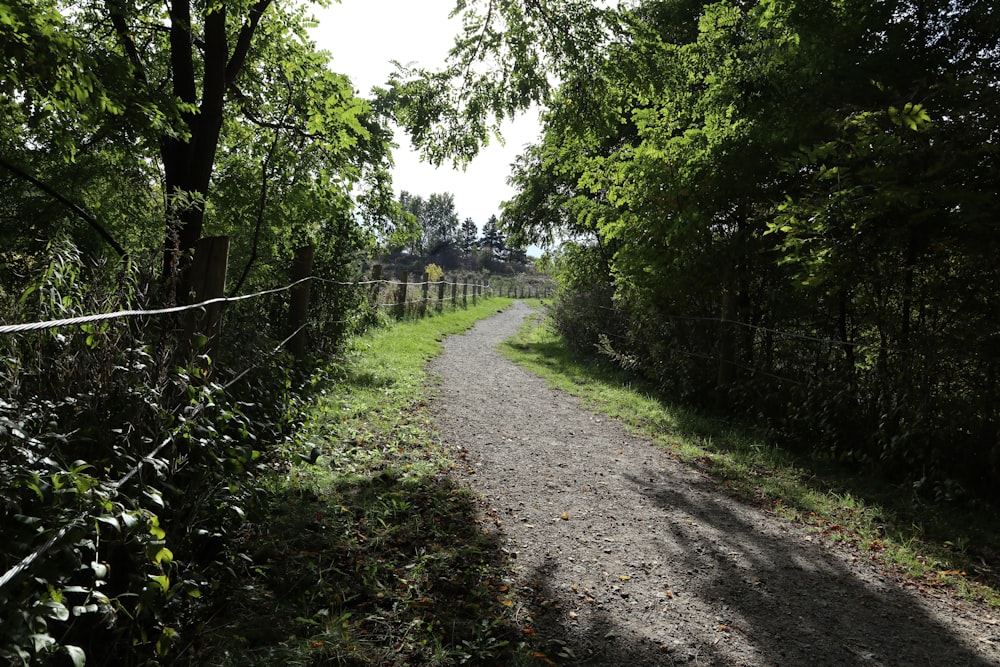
(950, 547)
(370, 554)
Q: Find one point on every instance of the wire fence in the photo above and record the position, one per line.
(378, 294)
(120, 314)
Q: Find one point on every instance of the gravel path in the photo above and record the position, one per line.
(626, 557)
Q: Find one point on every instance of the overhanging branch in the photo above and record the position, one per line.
(49, 190)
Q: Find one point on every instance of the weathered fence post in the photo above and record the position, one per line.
(208, 281)
(298, 304)
(424, 289)
(465, 292)
(475, 288)
(454, 296)
(401, 295)
(376, 285)
(440, 303)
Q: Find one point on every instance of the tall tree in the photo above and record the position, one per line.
(493, 238)
(184, 86)
(440, 222)
(413, 207)
(202, 59)
(468, 235)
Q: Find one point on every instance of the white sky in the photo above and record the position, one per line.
(364, 36)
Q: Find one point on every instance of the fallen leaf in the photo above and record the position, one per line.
(573, 615)
(624, 577)
(565, 516)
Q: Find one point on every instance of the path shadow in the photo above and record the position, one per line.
(937, 525)
(377, 570)
(719, 558)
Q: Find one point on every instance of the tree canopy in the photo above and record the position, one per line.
(806, 169)
(221, 117)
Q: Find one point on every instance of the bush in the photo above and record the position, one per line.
(129, 465)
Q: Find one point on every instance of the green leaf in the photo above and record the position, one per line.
(56, 610)
(42, 642)
(164, 555)
(154, 528)
(161, 580)
(111, 521)
(77, 655)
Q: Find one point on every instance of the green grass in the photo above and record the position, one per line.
(372, 555)
(933, 546)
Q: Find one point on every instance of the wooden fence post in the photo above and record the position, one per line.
(208, 281)
(376, 285)
(454, 296)
(424, 289)
(298, 303)
(401, 295)
(440, 303)
(475, 288)
(465, 293)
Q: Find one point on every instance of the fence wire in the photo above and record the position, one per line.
(101, 317)
(55, 538)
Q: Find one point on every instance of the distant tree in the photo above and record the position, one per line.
(398, 226)
(517, 255)
(440, 222)
(468, 234)
(413, 212)
(493, 238)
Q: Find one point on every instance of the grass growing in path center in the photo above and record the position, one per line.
(928, 546)
(371, 554)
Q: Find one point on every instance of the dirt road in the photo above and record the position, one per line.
(627, 557)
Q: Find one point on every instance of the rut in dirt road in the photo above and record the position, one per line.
(625, 556)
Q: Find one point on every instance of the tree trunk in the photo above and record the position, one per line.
(188, 162)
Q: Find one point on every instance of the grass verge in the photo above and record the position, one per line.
(371, 555)
(930, 546)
